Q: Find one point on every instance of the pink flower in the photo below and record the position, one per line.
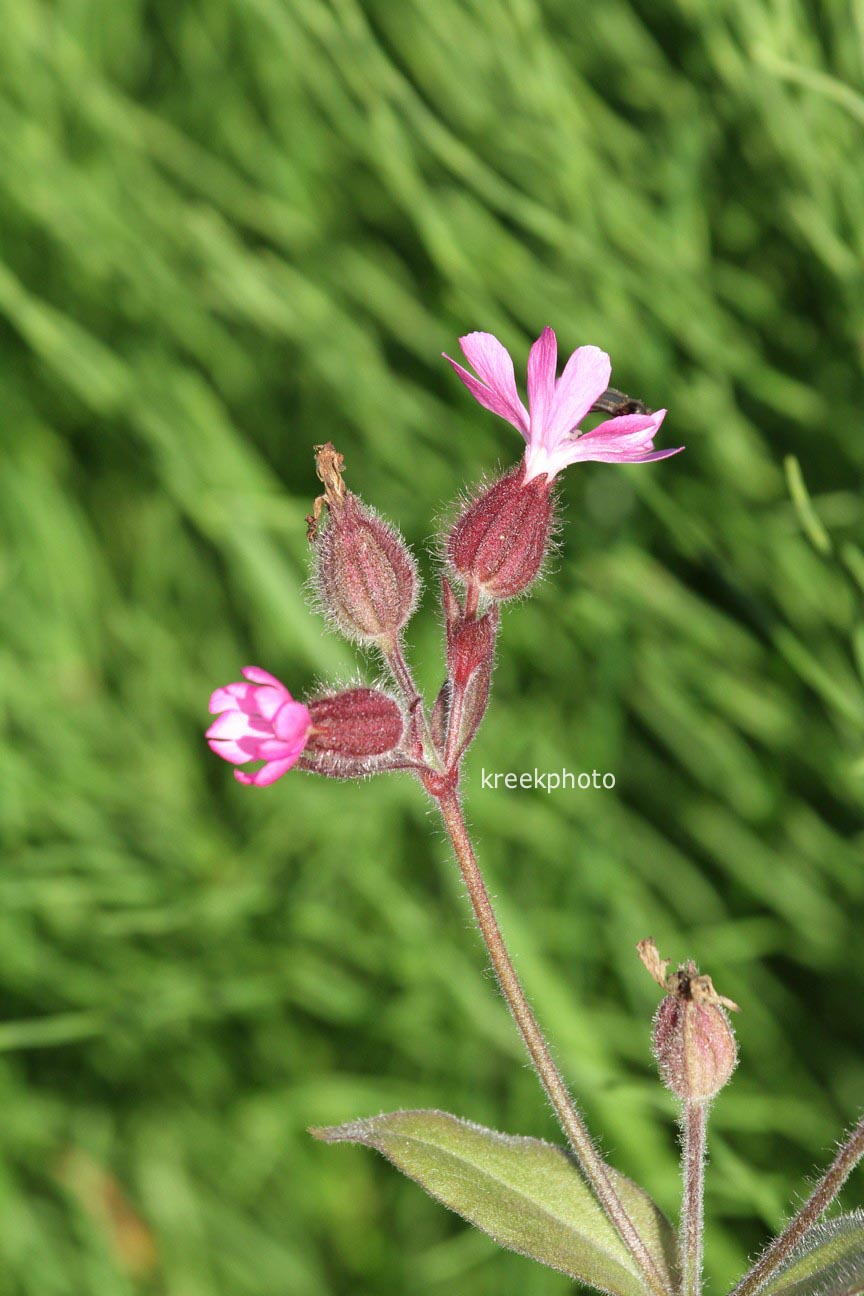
(556, 406)
(258, 720)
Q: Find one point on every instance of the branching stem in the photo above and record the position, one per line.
(594, 1168)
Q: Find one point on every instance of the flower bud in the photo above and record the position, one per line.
(500, 539)
(257, 719)
(476, 700)
(470, 639)
(462, 702)
(365, 574)
(358, 722)
(694, 1043)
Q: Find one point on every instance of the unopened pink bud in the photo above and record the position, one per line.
(257, 719)
(366, 575)
(694, 1043)
(358, 723)
(499, 541)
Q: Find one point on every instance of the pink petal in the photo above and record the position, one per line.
(629, 426)
(627, 439)
(586, 375)
(291, 722)
(627, 432)
(230, 751)
(275, 749)
(237, 724)
(627, 456)
(542, 367)
(226, 697)
(495, 389)
(267, 774)
(492, 363)
(259, 676)
(268, 700)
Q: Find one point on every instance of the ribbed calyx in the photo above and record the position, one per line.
(500, 538)
(694, 1043)
(353, 732)
(365, 574)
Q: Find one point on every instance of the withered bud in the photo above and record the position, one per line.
(500, 539)
(694, 1043)
(354, 732)
(366, 576)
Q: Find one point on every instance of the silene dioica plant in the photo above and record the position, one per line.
(567, 1209)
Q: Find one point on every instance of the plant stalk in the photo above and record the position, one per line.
(694, 1122)
(848, 1156)
(391, 650)
(594, 1168)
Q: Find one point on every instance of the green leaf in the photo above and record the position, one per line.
(526, 1194)
(830, 1261)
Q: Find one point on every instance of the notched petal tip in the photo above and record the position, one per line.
(494, 386)
(477, 343)
(585, 377)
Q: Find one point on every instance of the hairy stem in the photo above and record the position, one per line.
(391, 650)
(404, 680)
(694, 1121)
(848, 1156)
(594, 1168)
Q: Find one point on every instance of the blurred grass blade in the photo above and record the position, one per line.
(807, 515)
(526, 1194)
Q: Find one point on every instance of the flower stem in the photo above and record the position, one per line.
(391, 650)
(594, 1168)
(694, 1122)
(848, 1156)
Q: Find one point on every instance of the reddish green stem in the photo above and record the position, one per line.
(594, 1168)
(694, 1121)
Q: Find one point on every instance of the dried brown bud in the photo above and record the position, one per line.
(366, 575)
(694, 1043)
(500, 539)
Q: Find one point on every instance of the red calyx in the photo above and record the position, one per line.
(499, 541)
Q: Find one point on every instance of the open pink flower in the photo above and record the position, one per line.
(258, 719)
(556, 406)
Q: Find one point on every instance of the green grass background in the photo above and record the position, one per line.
(231, 229)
